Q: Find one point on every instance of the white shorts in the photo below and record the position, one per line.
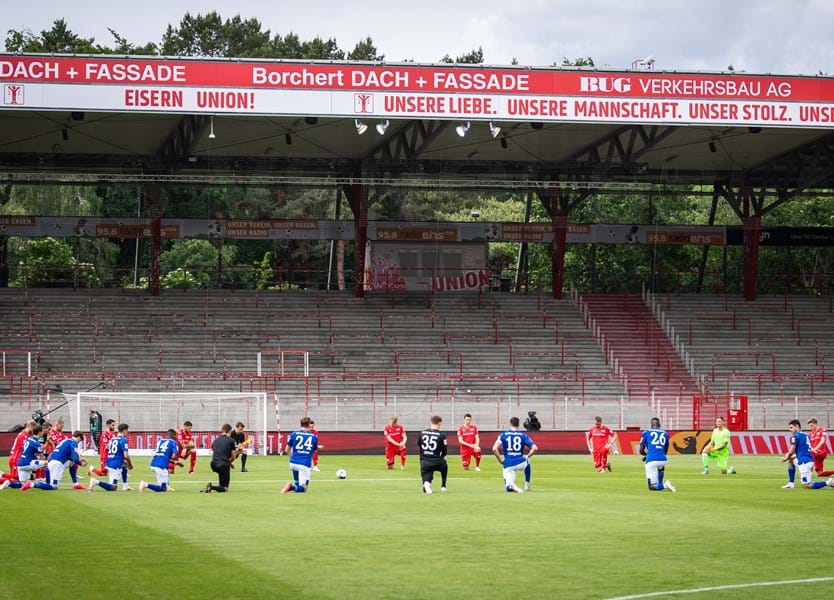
(56, 472)
(652, 468)
(303, 473)
(114, 476)
(161, 475)
(509, 472)
(24, 472)
(806, 473)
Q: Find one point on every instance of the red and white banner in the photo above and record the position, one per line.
(103, 83)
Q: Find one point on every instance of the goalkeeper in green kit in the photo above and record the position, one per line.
(718, 449)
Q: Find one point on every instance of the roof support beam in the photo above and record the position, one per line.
(180, 143)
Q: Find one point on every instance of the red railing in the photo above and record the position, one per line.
(448, 353)
(733, 320)
(754, 355)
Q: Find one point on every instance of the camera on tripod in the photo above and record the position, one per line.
(532, 423)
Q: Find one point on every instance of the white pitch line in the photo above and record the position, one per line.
(738, 586)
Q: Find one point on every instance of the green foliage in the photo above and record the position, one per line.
(49, 262)
(473, 57)
(196, 260)
(582, 61)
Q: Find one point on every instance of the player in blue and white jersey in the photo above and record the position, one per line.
(509, 450)
(654, 444)
(64, 456)
(118, 459)
(166, 450)
(301, 444)
(799, 454)
(29, 460)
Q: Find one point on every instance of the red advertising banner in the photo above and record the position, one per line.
(134, 231)
(685, 238)
(262, 228)
(417, 234)
(343, 89)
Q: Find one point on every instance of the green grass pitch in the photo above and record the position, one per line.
(578, 534)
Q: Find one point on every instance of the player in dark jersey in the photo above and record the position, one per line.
(433, 447)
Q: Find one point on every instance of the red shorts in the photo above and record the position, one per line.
(391, 453)
(819, 459)
(466, 455)
(600, 457)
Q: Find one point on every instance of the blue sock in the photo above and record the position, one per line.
(158, 488)
(791, 473)
(15, 485)
(124, 474)
(508, 488)
(44, 486)
(74, 473)
(299, 488)
(107, 486)
(528, 473)
(818, 485)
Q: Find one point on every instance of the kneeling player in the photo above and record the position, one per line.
(64, 456)
(509, 450)
(800, 451)
(470, 443)
(103, 443)
(718, 449)
(819, 447)
(166, 450)
(118, 462)
(28, 462)
(654, 444)
(14, 455)
(433, 446)
(301, 445)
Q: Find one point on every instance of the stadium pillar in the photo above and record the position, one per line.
(360, 225)
(559, 245)
(751, 227)
(156, 242)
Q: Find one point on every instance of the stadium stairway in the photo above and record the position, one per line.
(642, 352)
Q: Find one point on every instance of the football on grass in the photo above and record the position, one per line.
(341, 474)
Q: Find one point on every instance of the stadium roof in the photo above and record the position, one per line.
(262, 117)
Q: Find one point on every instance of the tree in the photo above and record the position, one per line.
(196, 260)
(582, 61)
(365, 50)
(473, 57)
(49, 262)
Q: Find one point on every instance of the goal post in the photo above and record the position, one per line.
(732, 408)
(151, 414)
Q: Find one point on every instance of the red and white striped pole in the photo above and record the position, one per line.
(278, 425)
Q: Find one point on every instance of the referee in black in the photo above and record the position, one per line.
(433, 447)
(224, 453)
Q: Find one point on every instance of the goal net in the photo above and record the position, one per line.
(730, 407)
(151, 414)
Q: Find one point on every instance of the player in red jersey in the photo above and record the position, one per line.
(17, 448)
(819, 447)
(186, 441)
(600, 442)
(315, 432)
(470, 443)
(56, 435)
(104, 439)
(395, 439)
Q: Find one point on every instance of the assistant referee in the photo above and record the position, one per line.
(224, 453)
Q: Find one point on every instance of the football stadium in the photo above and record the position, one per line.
(567, 330)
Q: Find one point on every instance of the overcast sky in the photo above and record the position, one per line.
(768, 36)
